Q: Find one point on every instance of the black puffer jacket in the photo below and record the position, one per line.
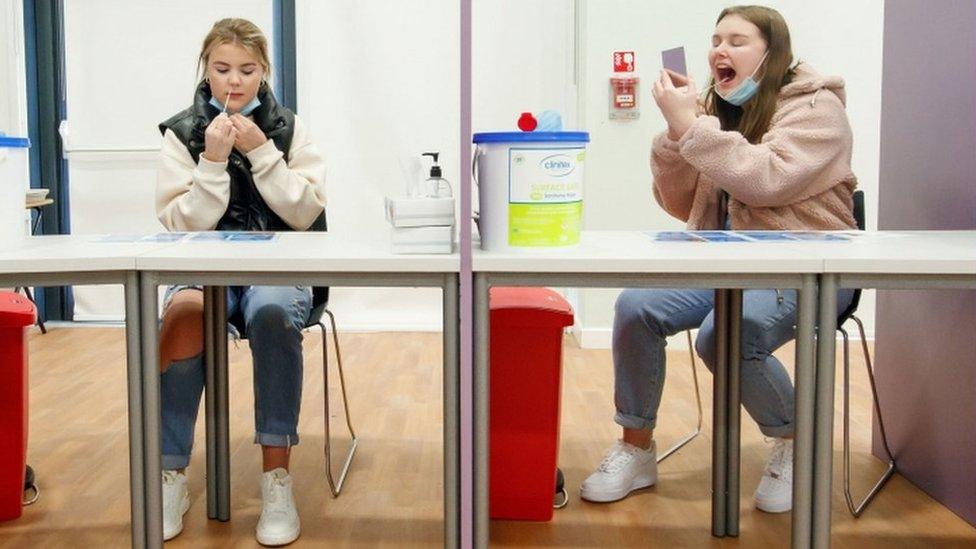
(246, 209)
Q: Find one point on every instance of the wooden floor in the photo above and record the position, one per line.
(78, 446)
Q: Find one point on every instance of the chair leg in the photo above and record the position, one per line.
(27, 293)
(335, 486)
(688, 438)
(857, 508)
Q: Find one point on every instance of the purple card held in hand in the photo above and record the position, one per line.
(674, 60)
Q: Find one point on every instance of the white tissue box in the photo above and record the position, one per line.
(422, 240)
(420, 212)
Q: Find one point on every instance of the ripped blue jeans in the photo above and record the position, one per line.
(274, 317)
(645, 318)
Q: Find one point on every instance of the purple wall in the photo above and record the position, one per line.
(926, 341)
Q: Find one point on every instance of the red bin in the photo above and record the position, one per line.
(16, 314)
(526, 362)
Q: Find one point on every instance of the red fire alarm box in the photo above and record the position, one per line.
(624, 91)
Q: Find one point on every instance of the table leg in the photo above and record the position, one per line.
(481, 411)
(210, 412)
(451, 331)
(152, 442)
(803, 447)
(222, 401)
(133, 352)
(720, 410)
(824, 411)
(733, 415)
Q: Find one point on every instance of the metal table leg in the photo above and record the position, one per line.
(152, 442)
(210, 413)
(217, 402)
(720, 434)
(481, 412)
(803, 447)
(733, 414)
(222, 409)
(451, 331)
(133, 353)
(824, 412)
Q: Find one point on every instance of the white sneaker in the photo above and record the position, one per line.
(775, 491)
(176, 500)
(279, 523)
(624, 469)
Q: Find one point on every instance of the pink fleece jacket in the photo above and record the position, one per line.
(798, 177)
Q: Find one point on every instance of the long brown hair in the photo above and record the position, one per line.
(752, 119)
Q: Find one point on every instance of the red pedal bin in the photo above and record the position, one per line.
(526, 361)
(16, 314)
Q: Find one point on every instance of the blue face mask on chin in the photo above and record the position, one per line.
(745, 90)
(246, 110)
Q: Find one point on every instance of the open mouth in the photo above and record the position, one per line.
(724, 74)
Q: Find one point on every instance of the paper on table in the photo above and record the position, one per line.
(674, 236)
(232, 236)
(748, 236)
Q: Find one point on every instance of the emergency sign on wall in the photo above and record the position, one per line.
(624, 96)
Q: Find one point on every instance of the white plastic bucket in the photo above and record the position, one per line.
(530, 188)
(14, 182)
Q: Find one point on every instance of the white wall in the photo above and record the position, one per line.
(129, 66)
(378, 81)
(522, 61)
(835, 36)
(13, 97)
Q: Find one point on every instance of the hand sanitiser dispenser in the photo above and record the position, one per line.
(437, 186)
(423, 221)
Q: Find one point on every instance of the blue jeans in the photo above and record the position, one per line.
(645, 318)
(274, 317)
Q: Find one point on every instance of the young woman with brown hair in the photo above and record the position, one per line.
(768, 148)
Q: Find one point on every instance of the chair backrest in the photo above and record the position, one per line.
(320, 294)
(861, 224)
(859, 210)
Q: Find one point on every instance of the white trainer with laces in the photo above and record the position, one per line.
(176, 500)
(775, 491)
(279, 524)
(624, 469)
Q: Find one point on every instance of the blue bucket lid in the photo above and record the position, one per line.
(531, 137)
(14, 142)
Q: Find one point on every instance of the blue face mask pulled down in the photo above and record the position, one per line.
(246, 110)
(745, 90)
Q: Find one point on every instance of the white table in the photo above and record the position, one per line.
(887, 260)
(314, 259)
(603, 259)
(80, 259)
(629, 259)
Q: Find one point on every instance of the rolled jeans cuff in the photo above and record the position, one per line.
(628, 421)
(173, 463)
(282, 441)
(779, 431)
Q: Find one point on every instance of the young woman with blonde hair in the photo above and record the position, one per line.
(236, 160)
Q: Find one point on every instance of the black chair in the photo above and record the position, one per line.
(320, 307)
(858, 508)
